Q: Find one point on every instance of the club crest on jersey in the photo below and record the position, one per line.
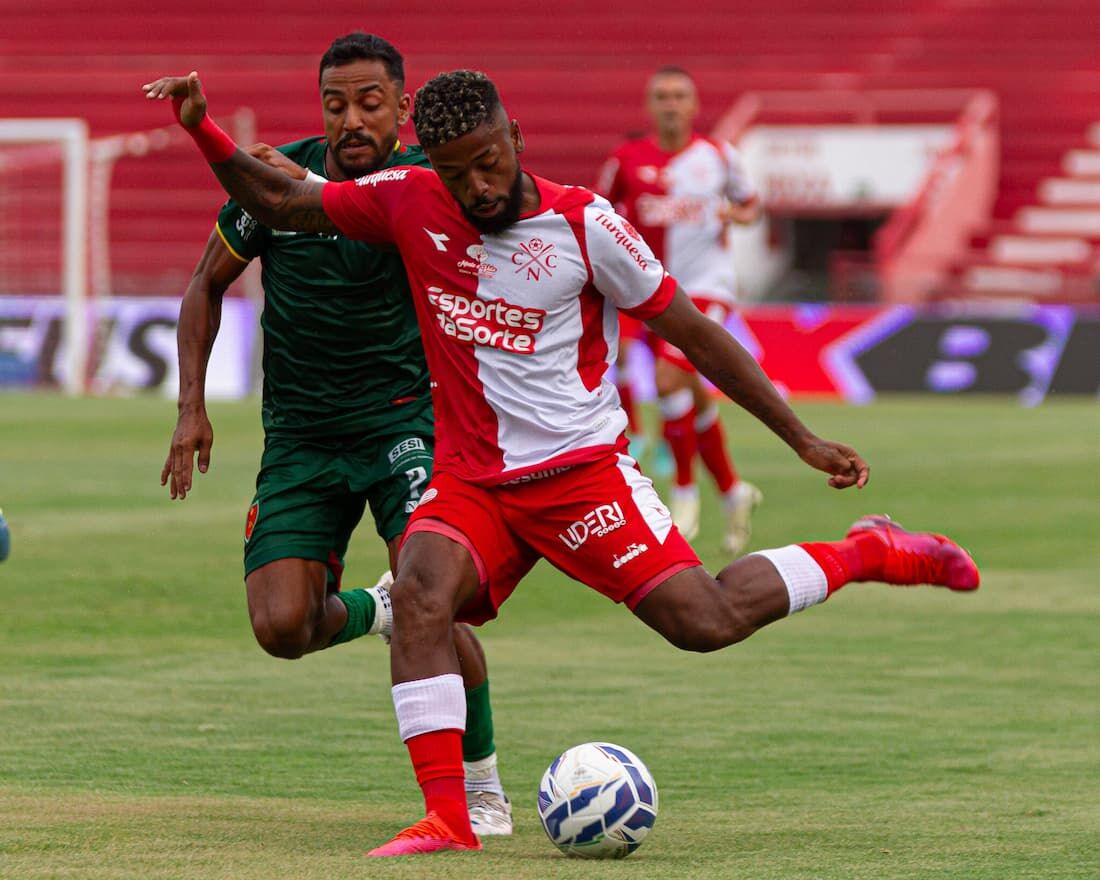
(535, 257)
(250, 521)
(478, 264)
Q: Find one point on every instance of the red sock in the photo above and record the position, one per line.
(437, 759)
(680, 434)
(626, 398)
(858, 558)
(712, 449)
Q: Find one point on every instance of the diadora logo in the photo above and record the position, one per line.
(493, 322)
(623, 239)
(633, 551)
(383, 176)
(535, 257)
(649, 173)
(478, 264)
(597, 522)
(406, 447)
(439, 239)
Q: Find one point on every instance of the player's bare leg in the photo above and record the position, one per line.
(292, 611)
(490, 809)
(697, 612)
(435, 577)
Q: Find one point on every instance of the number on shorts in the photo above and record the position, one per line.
(418, 476)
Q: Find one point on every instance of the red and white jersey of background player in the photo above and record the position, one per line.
(673, 200)
(520, 327)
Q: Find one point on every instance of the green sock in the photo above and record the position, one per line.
(477, 742)
(360, 605)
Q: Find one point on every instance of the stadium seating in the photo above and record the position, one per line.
(572, 72)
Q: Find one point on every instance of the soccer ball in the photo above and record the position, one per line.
(597, 801)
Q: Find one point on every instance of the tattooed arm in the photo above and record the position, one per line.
(269, 195)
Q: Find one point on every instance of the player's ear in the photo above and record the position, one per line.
(403, 105)
(517, 136)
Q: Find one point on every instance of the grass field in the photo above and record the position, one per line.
(888, 734)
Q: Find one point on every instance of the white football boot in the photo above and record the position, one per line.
(685, 510)
(744, 498)
(490, 813)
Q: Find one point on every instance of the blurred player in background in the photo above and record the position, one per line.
(346, 399)
(517, 282)
(682, 191)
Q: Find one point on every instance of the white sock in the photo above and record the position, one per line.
(677, 404)
(429, 704)
(383, 611)
(685, 493)
(804, 578)
(483, 776)
(706, 418)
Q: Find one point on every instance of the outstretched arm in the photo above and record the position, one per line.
(267, 194)
(200, 318)
(720, 358)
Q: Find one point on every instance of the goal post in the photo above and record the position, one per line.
(70, 137)
(70, 245)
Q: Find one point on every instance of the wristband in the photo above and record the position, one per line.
(214, 144)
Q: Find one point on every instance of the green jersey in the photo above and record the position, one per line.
(342, 352)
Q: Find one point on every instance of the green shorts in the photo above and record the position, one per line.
(311, 494)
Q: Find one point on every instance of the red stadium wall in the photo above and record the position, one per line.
(571, 71)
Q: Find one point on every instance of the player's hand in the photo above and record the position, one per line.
(186, 92)
(270, 156)
(193, 433)
(845, 465)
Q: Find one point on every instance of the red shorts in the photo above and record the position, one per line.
(715, 309)
(601, 523)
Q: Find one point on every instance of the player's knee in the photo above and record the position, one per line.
(286, 634)
(419, 603)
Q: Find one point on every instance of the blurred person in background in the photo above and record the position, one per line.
(346, 398)
(682, 191)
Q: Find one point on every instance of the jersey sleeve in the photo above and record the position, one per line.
(739, 186)
(241, 233)
(624, 268)
(365, 209)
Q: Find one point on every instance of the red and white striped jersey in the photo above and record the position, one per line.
(519, 327)
(673, 200)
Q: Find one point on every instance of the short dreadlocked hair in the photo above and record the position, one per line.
(453, 104)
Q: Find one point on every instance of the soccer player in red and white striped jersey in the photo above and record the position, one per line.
(517, 282)
(682, 191)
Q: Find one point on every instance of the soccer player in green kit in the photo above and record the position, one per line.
(346, 399)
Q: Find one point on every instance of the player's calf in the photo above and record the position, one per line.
(699, 613)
